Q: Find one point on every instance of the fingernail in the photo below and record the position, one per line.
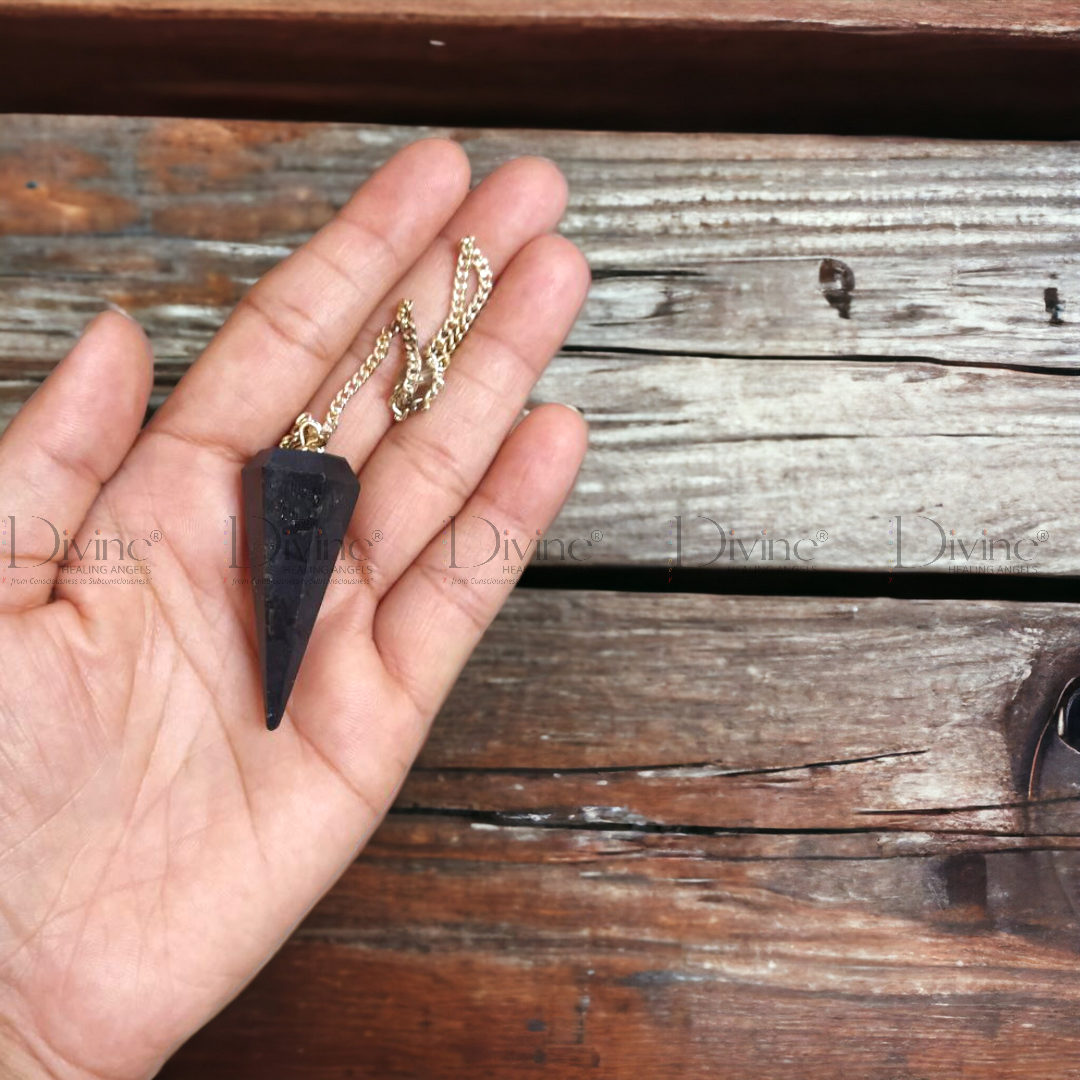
(565, 405)
(521, 416)
(111, 306)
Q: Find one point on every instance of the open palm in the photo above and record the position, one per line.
(157, 843)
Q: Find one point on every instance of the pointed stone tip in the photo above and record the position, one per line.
(297, 506)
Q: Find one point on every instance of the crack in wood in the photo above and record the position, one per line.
(849, 584)
(540, 819)
(600, 770)
(599, 351)
(1025, 804)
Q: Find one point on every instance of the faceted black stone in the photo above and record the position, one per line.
(297, 505)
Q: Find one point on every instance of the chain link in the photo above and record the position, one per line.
(425, 370)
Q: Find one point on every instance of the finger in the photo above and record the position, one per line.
(425, 468)
(431, 620)
(519, 201)
(291, 328)
(65, 442)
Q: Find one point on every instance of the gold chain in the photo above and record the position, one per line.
(424, 371)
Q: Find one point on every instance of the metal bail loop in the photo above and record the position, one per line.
(306, 434)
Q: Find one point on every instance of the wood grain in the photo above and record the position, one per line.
(706, 254)
(684, 870)
(846, 66)
(779, 453)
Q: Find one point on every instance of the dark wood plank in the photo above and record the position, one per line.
(461, 950)
(897, 66)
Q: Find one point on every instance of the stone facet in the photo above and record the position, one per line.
(297, 507)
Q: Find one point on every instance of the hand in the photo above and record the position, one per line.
(157, 843)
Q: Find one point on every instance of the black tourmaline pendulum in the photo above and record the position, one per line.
(299, 500)
(297, 507)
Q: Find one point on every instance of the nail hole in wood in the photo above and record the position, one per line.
(837, 282)
(1055, 306)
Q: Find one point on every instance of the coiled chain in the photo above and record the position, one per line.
(425, 370)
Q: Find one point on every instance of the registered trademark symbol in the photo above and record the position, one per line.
(1042, 536)
(822, 536)
(597, 536)
(155, 535)
(377, 535)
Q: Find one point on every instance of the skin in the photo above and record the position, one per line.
(157, 843)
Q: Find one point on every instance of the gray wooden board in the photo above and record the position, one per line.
(707, 253)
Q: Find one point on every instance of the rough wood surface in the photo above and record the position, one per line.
(787, 839)
(784, 452)
(1005, 69)
(947, 390)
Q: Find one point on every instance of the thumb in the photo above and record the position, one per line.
(65, 442)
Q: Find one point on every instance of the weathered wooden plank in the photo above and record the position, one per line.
(698, 244)
(800, 449)
(899, 66)
(1028, 17)
(175, 219)
(453, 950)
(781, 453)
(773, 713)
